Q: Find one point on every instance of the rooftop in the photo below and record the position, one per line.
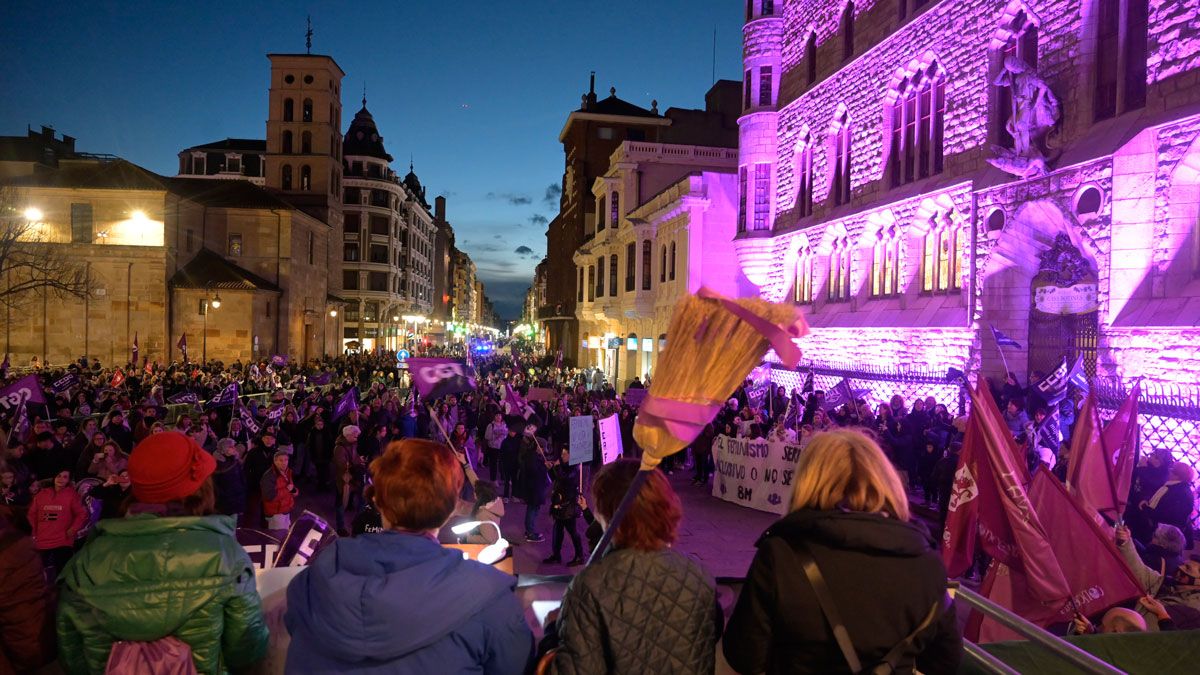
(209, 269)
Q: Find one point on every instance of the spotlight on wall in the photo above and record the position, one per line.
(333, 312)
(33, 213)
(138, 214)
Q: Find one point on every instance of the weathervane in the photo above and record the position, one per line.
(308, 37)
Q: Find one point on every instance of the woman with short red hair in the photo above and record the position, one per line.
(396, 601)
(642, 608)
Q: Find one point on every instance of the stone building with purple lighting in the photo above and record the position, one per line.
(915, 171)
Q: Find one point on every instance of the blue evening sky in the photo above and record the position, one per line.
(476, 92)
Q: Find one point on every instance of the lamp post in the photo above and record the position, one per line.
(215, 303)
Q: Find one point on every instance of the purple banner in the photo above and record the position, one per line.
(436, 378)
(279, 360)
(64, 383)
(228, 396)
(348, 402)
(320, 380)
(307, 536)
(184, 397)
(25, 390)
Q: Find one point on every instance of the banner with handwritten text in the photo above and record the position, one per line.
(755, 473)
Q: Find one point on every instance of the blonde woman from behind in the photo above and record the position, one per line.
(846, 554)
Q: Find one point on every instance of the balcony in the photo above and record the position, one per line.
(638, 151)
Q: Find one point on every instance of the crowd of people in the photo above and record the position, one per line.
(167, 488)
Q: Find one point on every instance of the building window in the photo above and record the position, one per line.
(762, 189)
(377, 281)
(1022, 45)
(630, 266)
(768, 7)
(941, 256)
(612, 275)
(351, 195)
(810, 59)
(289, 110)
(600, 277)
(287, 142)
(379, 225)
(311, 246)
(741, 218)
(839, 270)
(81, 223)
(918, 127)
(885, 258)
(764, 85)
(1120, 56)
(235, 245)
(286, 177)
(306, 114)
(802, 170)
(848, 32)
(672, 272)
(579, 287)
(646, 249)
(191, 241)
(662, 265)
(233, 163)
(306, 142)
(350, 251)
(306, 177)
(841, 160)
(614, 208)
(605, 133)
(802, 290)
(379, 254)
(600, 214)
(746, 91)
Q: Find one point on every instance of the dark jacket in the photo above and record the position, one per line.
(230, 482)
(400, 603)
(564, 495)
(534, 479)
(26, 605)
(639, 612)
(884, 576)
(143, 578)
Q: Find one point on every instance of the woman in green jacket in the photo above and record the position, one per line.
(168, 569)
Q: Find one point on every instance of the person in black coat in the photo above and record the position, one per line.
(1173, 503)
(564, 509)
(229, 479)
(533, 481)
(849, 513)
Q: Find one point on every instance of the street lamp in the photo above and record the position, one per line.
(215, 303)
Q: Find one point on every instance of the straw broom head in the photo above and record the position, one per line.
(709, 353)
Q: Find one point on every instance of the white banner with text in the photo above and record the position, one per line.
(756, 473)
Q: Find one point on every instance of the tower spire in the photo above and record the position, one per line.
(308, 36)
(364, 95)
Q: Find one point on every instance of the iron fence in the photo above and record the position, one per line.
(877, 384)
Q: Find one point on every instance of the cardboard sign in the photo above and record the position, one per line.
(540, 394)
(581, 440)
(610, 439)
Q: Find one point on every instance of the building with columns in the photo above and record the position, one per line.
(663, 233)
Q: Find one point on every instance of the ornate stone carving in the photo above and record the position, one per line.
(1035, 111)
(1063, 264)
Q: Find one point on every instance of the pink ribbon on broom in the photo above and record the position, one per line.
(685, 420)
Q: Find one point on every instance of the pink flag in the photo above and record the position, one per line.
(1090, 470)
(1120, 443)
(1093, 568)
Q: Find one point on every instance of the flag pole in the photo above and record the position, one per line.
(1003, 359)
(463, 462)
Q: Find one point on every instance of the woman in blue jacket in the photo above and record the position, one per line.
(396, 601)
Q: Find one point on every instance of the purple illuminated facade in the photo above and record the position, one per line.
(867, 195)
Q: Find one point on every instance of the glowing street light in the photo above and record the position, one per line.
(34, 214)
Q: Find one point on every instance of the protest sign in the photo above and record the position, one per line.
(540, 394)
(581, 440)
(610, 439)
(24, 390)
(756, 473)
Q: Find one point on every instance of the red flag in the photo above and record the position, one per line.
(1120, 443)
(1089, 472)
(118, 379)
(1093, 567)
(1005, 522)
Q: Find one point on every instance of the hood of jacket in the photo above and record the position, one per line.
(870, 533)
(380, 596)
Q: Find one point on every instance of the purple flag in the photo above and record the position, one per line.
(348, 402)
(248, 420)
(275, 414)
(21, 423)
(279, 360)
(64, 383)
(134, 360)
(321, 379)
(435, 378)
(25, 390)
(184, 397)
(307, 536)
(182, 344)
(228, 396)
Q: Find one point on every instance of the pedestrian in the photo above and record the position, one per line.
(26, 605)
(849, 524)
(422, 608)
(533, 480)
(643, 607)
(510, 454)
(56, 516)
(169, 569)
(348, 470)
(320, 450)
(494, 437)
(488, 507)
(278, 492)
(564, 509)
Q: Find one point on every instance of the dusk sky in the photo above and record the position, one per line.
(476, 92)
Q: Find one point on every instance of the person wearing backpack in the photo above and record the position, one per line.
(835, 561)
(169, 572)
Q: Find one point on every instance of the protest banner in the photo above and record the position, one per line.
(610, 439)
(756, 473)
(25, 390)
(581, 440)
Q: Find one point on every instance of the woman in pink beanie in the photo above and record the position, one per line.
(169, 572)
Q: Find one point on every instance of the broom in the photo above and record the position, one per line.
(714, 343)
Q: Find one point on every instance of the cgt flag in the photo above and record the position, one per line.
(25, 390)
(989, 504)
(435, 378)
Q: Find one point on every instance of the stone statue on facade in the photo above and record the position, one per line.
(1035, 111)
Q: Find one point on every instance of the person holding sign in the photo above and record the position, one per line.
(564, 509)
